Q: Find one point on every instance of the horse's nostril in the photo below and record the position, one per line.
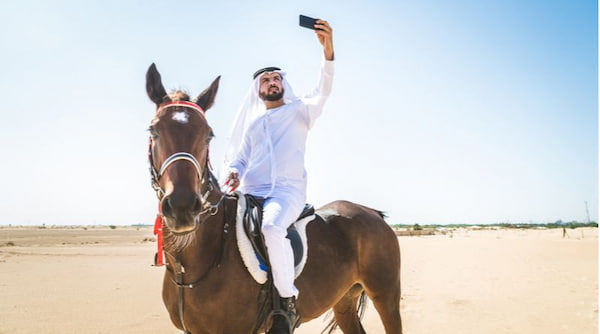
(165, 207)
(197, 205)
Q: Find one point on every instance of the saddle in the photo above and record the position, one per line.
(252, 223)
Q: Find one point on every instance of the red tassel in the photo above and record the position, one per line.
(158, 232)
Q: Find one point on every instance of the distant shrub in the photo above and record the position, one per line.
(112, 227)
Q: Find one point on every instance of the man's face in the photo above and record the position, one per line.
(271, 87)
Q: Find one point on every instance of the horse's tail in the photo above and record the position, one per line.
(379, 213)
(361, 309)
(382, 214)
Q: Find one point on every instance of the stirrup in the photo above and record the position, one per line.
(286, 310)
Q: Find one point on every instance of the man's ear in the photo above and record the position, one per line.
(154, 87)
(206, 99)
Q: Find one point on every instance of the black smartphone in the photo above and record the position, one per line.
(308, 22)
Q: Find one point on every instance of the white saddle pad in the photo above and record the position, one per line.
(245, 246)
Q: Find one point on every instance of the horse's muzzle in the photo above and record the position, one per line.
(181, 211)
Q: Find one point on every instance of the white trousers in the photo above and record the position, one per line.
(278, 214)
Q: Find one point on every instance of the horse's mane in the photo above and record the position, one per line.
(179, 95)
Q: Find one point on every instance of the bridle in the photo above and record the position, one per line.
(204, 174)
(206, 178)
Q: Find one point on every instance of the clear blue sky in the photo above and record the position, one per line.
(442, 112)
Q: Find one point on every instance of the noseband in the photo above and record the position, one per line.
(202, 175)
(156, 175)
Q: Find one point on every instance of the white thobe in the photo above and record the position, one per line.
(270, 164)
(271, 156)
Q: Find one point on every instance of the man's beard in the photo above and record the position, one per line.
(272, 96)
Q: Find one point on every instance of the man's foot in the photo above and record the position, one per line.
(286, 321)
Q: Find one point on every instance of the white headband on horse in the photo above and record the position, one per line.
(251, 108)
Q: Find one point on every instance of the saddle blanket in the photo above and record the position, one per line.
(249, 257)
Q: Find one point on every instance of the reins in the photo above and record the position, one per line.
(179, 269)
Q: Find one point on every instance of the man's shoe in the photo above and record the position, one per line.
(289, 305)
(285, 320)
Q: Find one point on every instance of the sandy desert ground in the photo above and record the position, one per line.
(99, 280)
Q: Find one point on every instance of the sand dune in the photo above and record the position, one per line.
(99, 280)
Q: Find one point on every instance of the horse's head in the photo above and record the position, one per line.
(179, 140)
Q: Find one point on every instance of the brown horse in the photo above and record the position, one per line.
(206, 287)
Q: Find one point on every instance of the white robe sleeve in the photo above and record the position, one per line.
(315, 101)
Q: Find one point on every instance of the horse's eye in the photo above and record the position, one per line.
(211, 135)
(153, 133)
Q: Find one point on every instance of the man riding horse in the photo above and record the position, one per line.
(266, 159)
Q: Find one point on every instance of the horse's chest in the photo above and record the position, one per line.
(216, 305)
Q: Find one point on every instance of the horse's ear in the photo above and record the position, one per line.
(206, 99)
(154, 87)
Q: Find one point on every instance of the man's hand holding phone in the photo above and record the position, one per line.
(323, 31)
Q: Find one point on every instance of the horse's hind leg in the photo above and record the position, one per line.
(345, 312)
(387, 304)
(381, 281)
